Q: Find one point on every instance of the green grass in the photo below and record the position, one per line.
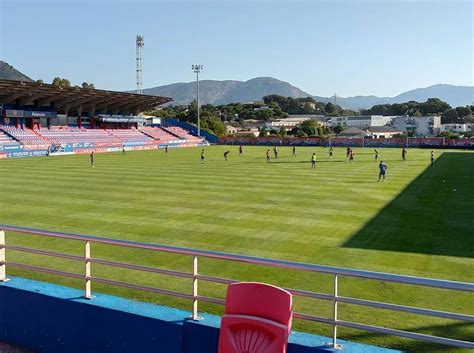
(413, 224)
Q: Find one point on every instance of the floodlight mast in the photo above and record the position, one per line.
(139, 45)
(197, 70)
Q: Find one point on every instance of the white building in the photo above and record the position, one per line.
(318, 117)
(263, 107)
(361, 121)
(420, 125)
(152, 120)
(230, 130)
(288, 123)
(383, 131)
(458, 128)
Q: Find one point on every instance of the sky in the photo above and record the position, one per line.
(350, 47)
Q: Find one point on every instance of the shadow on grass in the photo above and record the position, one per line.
(459, 330)
(433, 215)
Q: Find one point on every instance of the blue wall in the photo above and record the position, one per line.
(54, 319)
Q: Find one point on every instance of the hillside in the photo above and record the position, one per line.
(224, 92)
(8, 72)
(231, 91)
(455, 95)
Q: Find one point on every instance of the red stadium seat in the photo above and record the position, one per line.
(257, 319)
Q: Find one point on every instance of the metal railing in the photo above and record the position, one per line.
(195, 276)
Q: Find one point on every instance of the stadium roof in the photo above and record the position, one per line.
(75, 99)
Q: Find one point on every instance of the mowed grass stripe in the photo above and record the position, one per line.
(336, 215)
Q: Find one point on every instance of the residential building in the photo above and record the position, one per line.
(263, 107)
(318, 117)
(230, 130)
(383, 131)
(247, 131)
(458, 128)
(361, 121)
(287, 123)
(420, 125)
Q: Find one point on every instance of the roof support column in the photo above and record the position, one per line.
(79, 113)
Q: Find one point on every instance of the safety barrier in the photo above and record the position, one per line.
(195, 276)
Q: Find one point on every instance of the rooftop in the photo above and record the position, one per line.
(72, 99)
(383, 129)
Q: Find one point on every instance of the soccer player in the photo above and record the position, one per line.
(294, 151)
(351, 156)
(382, 169)
(166, 149)
(268, 156)
(240, 150)
(225, 154)
(404, 154)
(275, 151)
(313, 161)
(202, 155)
(432, 157)
(92, 157)
(330, 152)
(376, 155)
(123, 149)
(348, 152)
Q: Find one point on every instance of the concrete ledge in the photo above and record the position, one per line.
(55, 319)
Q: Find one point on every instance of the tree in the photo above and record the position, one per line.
(88, 85)
(329, 107)
(309, 127)
(61, 82)
(39, 81)
(463, 112)
(401, 135)
(213, 124)
(450, 116)
(282, 132)
(434, 106)
(449, 135)
(263, 133)
(430, 107)
(301, 133)
(333, 109)
(265, 115)
(337, 129)
(289, 105)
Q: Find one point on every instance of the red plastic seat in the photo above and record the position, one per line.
(257, 319)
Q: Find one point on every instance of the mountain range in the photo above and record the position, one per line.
(224, 92)
(228, 91)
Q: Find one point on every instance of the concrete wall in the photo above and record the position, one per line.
(48, 318)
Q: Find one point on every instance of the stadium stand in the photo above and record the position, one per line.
(6, 140)
(158, 134)
(38, 119)
(63, 134)
(26, 136)
(181, 133)
(130, 135)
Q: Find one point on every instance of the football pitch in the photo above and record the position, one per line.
(420, 222)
